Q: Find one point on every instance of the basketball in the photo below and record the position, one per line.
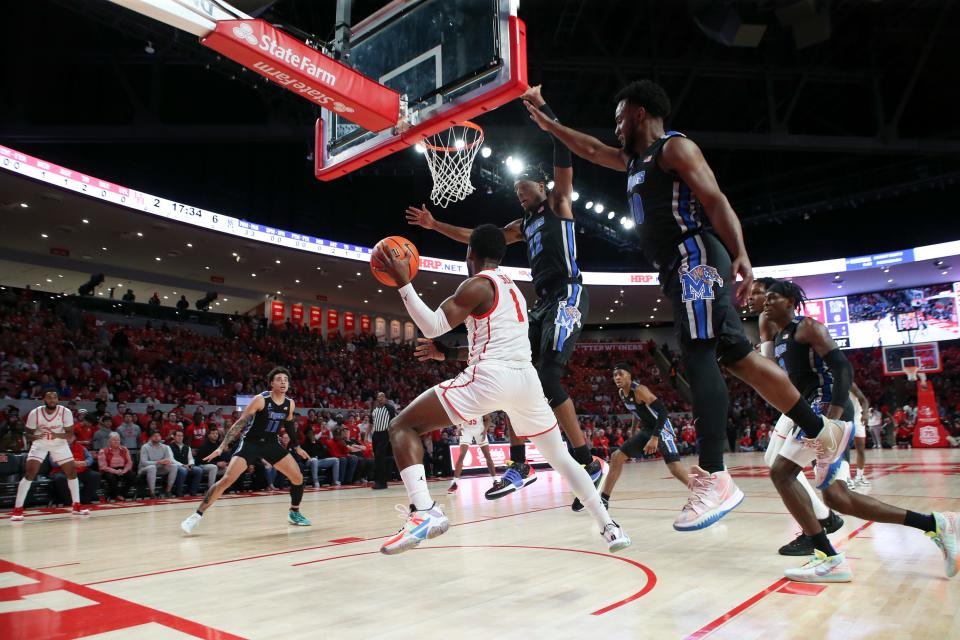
(398, 246)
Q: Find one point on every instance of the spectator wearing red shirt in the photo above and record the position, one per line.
(196, 433)
(116, 469)
(337, 447)
(82, 429)
(89, 479)
(118, 414)
(601, 444)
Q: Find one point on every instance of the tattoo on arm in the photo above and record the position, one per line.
(232, 433)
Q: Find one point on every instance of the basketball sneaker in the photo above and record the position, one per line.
(712, 496)
(830, 444)
(297, 518)
(191, 522)
(822, 568)
(417, 527)
(597, 470)
(516, 477)
(947, 537)
(16, 515)
(79, 510)
(615, 537)
(863, 481)
(802, 545)
(452, 488)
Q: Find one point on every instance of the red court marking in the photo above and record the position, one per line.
(321, 546)
(801, 589)
(51, 566)
(110, 613)
(346, 540)
(651, 576)
(710, 627)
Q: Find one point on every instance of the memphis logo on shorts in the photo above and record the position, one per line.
(698, 282)
(568, 317)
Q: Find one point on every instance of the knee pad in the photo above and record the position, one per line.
(550, 373)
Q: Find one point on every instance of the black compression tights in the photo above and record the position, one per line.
(710, 400)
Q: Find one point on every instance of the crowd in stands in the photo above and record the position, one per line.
(877, 305)
(83, 358)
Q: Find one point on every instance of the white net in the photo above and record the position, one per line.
(450, 155)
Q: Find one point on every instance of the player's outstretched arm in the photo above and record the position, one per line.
(234, 431)
(683, 157)
(423, 218)
(585, 146)
(562, 192)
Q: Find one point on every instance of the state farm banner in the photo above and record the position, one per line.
(349, 323)
(296, 313)
(316, 317)
(364, 324)
(278, 312)
(473, 458)
(290, 63)
(612, 346)
(929, 432)
(333, 320)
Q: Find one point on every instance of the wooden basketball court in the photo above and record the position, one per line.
(524, 566)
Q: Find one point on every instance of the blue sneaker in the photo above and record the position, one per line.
(297, 518)
(516, 477)
(417, 527)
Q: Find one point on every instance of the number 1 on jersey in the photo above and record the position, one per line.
(516, 302)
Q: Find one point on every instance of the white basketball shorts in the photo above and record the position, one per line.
(486, 387)
(472, 432)
(58, 449)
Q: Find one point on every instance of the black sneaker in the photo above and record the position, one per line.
(597, 471)
(832, 523)
(802, 545)
(515, 477)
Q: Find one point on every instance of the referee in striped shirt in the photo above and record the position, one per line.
(380, 418)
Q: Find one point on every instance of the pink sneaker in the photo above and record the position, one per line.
(712, 496)
(830, 444)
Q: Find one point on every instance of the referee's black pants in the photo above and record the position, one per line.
(381, 455)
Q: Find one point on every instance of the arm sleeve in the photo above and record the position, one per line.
(561, 153)
(842, 373)
(661, 410)
(431, 323)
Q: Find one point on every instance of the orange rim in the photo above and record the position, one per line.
(465, 123)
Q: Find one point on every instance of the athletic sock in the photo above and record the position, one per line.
(518, 453)
(74, 489)
(822, 543)
(859, 473)
(924, 522)
(806, 419)
(22, 490)
(415, 480)
(199, 513)
(605, 496)
(582, 455)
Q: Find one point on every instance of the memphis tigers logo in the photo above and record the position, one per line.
(698, 282)
(567, 317)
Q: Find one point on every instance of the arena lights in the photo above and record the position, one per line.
(459, 144)
(485, 152)
(277, 261)
(598, 208)
(24, 205)
(43, 235)
(589, 205)
(85, 221)
(610, 215)
(190, 245)
(139, 234)
(550, 184)
(575, 196)
(297, 281)
(514, 165)
(419, 148)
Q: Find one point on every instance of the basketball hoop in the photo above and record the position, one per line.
(450, 155)
(911, 371)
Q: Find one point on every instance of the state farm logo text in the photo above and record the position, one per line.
(304, 63)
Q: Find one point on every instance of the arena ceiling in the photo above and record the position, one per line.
(843, 147)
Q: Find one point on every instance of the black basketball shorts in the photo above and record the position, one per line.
(556, 323)
(268, 448)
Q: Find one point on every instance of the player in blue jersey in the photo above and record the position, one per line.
(260, 425)
(689, 231)
(655, 433)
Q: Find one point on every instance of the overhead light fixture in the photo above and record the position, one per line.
(49, 280)
(190, 244)
(609, 215)
(339, 286)
(43, 235)
(139, 234)
(226, 299)
(365, 301)
(85, 221)
(158, 258)
(485, 152)
(234, 254)
(24, 205)
(550, 184)
(358, 274)
(379, 290)
(589, 205)
(598, 208)
(889, 280)
(297, 281)
(207, 268)
(253, 275)
(575, 196)
(419, 148)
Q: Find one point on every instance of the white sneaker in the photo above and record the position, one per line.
(712, 496)
(830, 444)
(615, 537)
(947, 537)
(863, 481)
(851, 484)
(822, 568)
(417, 527)
(191, 522)
(316, 485)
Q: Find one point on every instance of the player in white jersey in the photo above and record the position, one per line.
(499, 375)
(49, 426)
(473, 432)
(861, 408)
